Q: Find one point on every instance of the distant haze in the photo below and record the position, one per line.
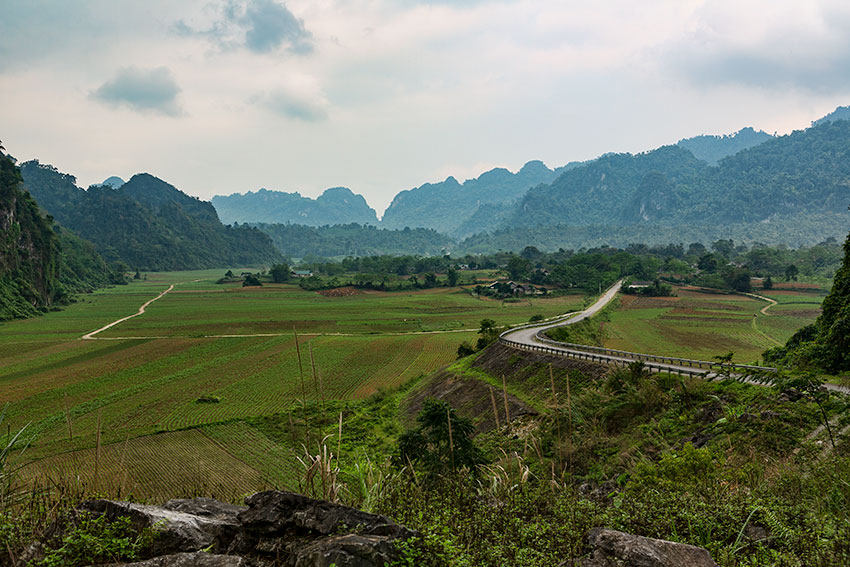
(225, 96)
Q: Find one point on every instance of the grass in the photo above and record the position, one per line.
(703, 325)
(146, 390)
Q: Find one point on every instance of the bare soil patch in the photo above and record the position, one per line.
(470, 398)
(346, 291)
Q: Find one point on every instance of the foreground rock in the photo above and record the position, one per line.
(301, 531)
(618, 549)
(181, 525)
(198, 559)
(275, 528)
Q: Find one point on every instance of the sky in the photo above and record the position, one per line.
(225, 96)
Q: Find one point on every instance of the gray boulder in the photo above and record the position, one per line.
(350, 550)
(618, 549)
(304, 532)
(198, 559)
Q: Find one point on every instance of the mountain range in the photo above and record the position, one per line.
(459, 210)
(789, 189)
(337, 205)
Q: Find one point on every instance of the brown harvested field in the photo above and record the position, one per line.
(155, 467)
(347, 291)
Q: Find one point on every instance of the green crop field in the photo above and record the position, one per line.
(703, 325)
(144, 380)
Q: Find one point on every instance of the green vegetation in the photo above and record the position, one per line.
(205, 358)
(98, 540)
(442, 441)
(187, 411)
(723, 465)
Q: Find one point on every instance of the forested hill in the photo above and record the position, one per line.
(804, 172)
(39, 265)
(337, 205)
(714, 148)
(298, 241)
(448, 206)
(146, 223)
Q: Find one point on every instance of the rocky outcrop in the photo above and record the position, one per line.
(181, 525)
(198, 559)
(274, 528)
(304, 532)
(618, 549)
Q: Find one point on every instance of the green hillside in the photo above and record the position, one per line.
(146, 223)
(805, 172)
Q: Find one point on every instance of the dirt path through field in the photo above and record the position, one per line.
(91, 336)
(770, 302)
(763, 311)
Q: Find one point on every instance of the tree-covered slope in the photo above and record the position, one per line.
(802, 173)
(337, 205)
(446, 206)
(146, 223)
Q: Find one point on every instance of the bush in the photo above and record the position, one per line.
(97, 540)
(251, 280)
(465, 349)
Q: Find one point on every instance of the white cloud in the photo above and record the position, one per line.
(261, 26)
(382, 95)
(146, 90)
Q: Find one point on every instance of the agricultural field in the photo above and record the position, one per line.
(181, 383)
(696, 324)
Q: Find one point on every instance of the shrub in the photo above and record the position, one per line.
(98, 540)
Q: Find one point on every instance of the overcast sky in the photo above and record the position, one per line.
(224, 96)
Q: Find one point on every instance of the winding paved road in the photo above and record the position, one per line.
(527, 338)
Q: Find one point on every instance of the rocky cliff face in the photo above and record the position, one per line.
(28, 249)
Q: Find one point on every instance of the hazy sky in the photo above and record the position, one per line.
(223, 96)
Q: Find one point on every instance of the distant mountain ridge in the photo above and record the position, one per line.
(449, 206)
(803, 173)
(712, 149)
(840, 113)
(147, 223)
(337, 205)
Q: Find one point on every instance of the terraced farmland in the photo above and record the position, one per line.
(144, 380)
(703, 325)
